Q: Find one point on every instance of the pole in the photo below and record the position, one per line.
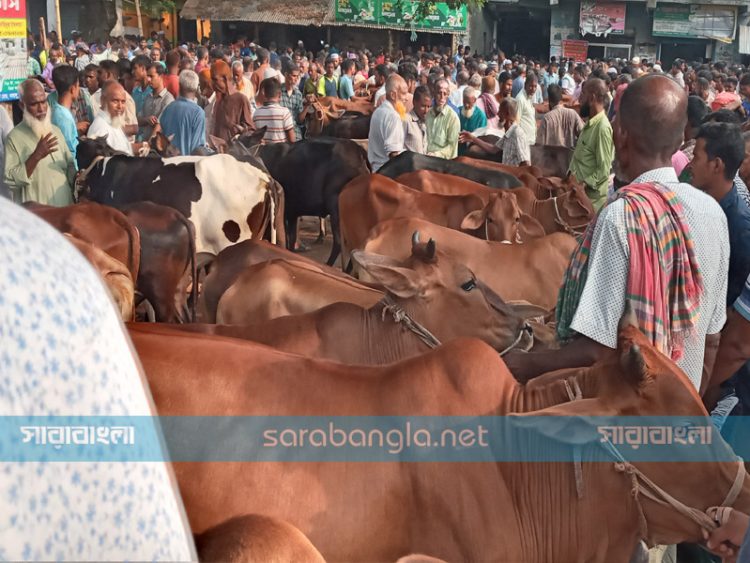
(138, 15)
(43, 34)
(59, 21)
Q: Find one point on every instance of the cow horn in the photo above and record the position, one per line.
(633, 364)
(430, 250)
(415, 238)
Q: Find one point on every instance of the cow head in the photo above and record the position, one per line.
(252, 139)
(162, 145)
(501, 219)
(637, 380)
(321, 116)
(447, 298)
(88, 149)
(551, 186)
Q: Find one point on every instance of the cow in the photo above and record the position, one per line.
(278, 288)
(230, 263)
(569, 212)
(161, 146)
(114, 274)
(440, 295)
(358, 105)
(489, 165)
(479, 511)
(531, 272)
(168, 261)
(552, 160)
(255, 537)
(372, 198)
(105, 227)
(227, 200)
(409, 162)
(331, 122)
(313, 173)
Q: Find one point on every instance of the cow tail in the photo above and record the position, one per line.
(134, 255)
(193, 265)
(272, 221)
(279, 217)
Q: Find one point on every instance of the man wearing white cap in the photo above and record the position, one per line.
(336, 65)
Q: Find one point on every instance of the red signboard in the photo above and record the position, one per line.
(575, 49)
(13, 9)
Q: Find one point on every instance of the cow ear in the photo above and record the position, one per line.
(568, 423)
(530, 227)
(170, 138)
(474, 219)
(527, 310)
(400, 281)
(574, 207)
(219, 144)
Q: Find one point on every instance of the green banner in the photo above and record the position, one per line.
(400, 13)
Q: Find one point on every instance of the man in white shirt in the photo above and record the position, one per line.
(386, 138)
(457, 96)
(526, 110)
(643, 154)
(110, 121)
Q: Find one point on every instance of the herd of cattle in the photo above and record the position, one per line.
(445, 266)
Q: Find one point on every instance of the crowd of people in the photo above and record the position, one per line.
(651, 146)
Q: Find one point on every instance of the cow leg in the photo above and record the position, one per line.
(336, 231)
(322, 231)
(291, 233)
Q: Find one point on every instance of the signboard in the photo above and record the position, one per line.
(563, 25)
(357, 11)
(13, 55)
(575, 49)
(697, 21)
(602, 18)
(400, 13)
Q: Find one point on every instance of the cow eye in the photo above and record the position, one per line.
(469, 285)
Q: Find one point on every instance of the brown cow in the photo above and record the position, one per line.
(513, 511)
(101, 225)
(253, 538)
(230, 263)
(280, 287)
(442, 296)
(532, 271)
(568, 213)
(114, 274)
(372, 198)
(360, 105)
(168, 262)
(516, 171)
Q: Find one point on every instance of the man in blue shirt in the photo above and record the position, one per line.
(139, 69)
(346, 85)
(65, 78)
(519, 80)
(184, 119)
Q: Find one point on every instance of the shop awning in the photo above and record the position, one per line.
(285, 12)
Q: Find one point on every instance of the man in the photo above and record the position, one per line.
(273, 116)
(415, 127)
(457, 96)
(526, 110)
(155, 55)
(549, 77)
(329, 84)
(513, 144)
(67, 87)
(718, 154)
(38, 164)
(592, 158)
(243, 84)
(201, 55)
(386, 138)
(229, 114)
(567, 84)
(172, 77)
(83, 57)
(108, 72)
(155, 104)
(56, 58)
(471, 117)
(142, 90)
(183, 119)
(382, 72)
(560, 126)
(90, 79)
(596, 288)
(579, 76)
(676, 72)
(443, 126)
(346, 83)
(291, 98)
(519, 80)
(263, 58)
(505, 86)
(110, 121)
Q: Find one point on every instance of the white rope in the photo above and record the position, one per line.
(571, 230)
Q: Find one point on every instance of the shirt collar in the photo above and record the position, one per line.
(729, 200)
(414, 117)
(666, 175)
(596, 119)
(160, 94)
(183, 98)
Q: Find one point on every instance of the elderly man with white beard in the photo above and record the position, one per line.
(38, 163)
(110, 121)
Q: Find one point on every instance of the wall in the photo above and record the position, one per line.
(481, 31)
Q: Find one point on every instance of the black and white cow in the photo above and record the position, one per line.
(227, 200)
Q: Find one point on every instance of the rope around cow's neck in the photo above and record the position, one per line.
(641, 484)
(401, 316)
(570, 229)
(83, 174)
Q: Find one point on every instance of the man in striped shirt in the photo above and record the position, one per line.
(272, 115)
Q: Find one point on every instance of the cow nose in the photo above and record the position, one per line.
(528, 333)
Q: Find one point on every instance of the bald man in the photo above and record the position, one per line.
(592, 157)
(110, 121)
(230, 113)
(643, 156)
(386, 138)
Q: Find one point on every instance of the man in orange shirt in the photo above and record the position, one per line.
(257, 78)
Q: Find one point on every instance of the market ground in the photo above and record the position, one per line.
(308, 234)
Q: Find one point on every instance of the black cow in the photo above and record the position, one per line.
(313, 172)
(349, 126)
(411, 162)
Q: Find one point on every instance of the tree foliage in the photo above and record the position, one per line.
(423, 6)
